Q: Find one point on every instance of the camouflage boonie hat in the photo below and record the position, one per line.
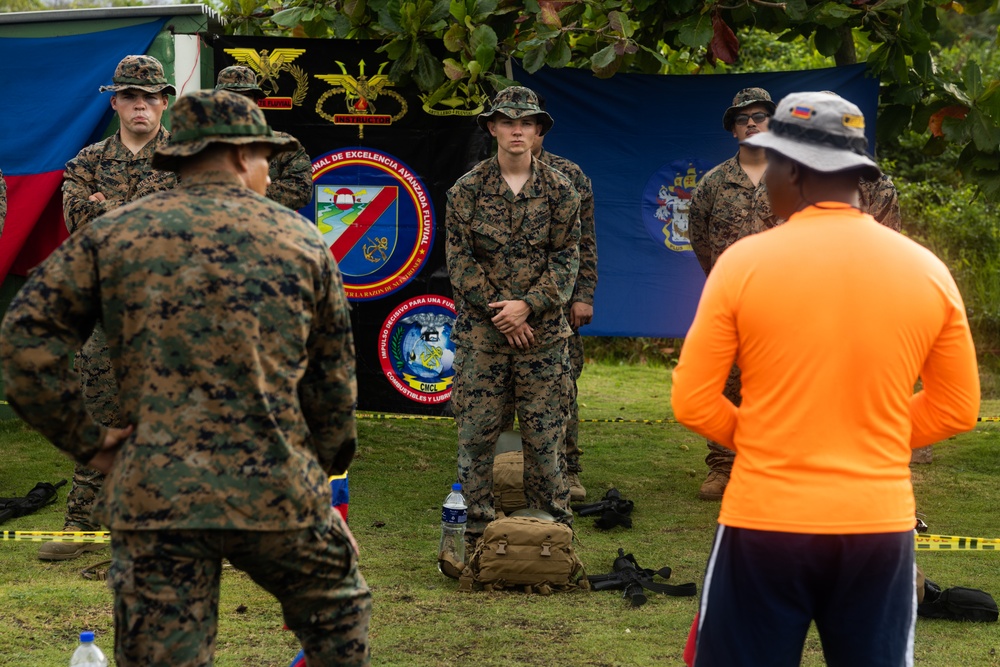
(143, 73)
(822, 131)
(743, 99)
(207, 117)
(240, 79)
(517, 102)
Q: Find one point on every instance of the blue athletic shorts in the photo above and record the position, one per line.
(763, 589)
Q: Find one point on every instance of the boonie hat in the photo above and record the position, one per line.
(743, 99)
(207, 117)
(822, 131)
(517, 102)
(239, 79)
(143, 73)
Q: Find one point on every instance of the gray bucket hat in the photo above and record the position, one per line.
(240, 79)
(207, 117)
(143, 73)
(743, 99)
(517, 102)
(822, 131)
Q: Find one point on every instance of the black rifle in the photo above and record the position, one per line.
(631, 579)
(37, 498)
(613, 509)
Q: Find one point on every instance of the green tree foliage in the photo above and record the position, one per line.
(901, 40)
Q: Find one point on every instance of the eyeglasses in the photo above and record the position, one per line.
(758, 118)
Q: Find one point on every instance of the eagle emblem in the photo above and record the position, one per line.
(360, 95)
(267, 63)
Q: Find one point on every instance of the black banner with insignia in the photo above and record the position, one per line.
(382, 163)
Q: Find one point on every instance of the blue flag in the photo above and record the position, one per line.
(644, 141)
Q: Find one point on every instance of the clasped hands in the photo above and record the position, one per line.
(512, 321)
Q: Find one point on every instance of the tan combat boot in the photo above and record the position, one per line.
(576, 491)
(67, 550)
(714, 485)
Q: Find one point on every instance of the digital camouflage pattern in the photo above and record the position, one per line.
(583, 291)
(537, 382)
(108, 166)
(239, 79)
(143, 73)
(3, 201)
(743, 99)
(879, 200)
(726, 207)
(502, 246)
(290, 172)
(237, 122)
(313, 573)
(516, 102)
(231, 343)
(291, 176)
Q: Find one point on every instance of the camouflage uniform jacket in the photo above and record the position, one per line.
(878, 199)
(725, 207)
(291, 177)
(501, 246)
(586, 278)
(231, 340)
(111, 168)
(3, 201)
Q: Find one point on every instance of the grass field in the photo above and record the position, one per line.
(401, 475)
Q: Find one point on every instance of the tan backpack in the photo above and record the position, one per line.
(520, 552)
(508, 482)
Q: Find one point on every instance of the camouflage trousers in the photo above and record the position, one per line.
(100, 396)
(166, 591)
(573, 450)
(535, 382)
(721, 458)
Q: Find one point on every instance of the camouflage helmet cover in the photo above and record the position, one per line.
(517, 102)
(207, 117)
(143, 73)
(743, 99)
(240, 79)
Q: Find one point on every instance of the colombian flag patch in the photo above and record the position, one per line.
(802, 112)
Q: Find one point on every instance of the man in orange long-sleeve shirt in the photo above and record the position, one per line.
(832, 318)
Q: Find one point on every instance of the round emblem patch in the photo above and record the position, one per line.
(377, 218)
(416, 351)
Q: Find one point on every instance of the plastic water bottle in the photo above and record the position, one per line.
(87, 654)
(453, 516)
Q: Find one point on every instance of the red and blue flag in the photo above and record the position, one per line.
(50, 109)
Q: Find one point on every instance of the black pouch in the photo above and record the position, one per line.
(957, 604)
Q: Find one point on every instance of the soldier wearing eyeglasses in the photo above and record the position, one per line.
(101, 178)
(729, 203)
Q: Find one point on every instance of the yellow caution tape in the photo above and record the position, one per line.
(100, 536)
(955, 543)
(924, 542)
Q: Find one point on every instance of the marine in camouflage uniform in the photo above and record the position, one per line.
(111, 168)
(231, 341)
(291, 171)
(727, 206)
(506, 250)
(583, 295)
